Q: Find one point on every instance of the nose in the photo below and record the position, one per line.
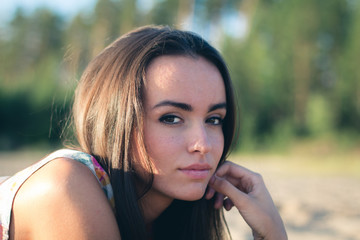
(199, 140)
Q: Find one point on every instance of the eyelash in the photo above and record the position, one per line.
(165, 119)
(219, 119)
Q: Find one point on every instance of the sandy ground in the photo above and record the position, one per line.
(313, 206)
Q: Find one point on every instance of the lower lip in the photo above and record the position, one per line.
(196, 174)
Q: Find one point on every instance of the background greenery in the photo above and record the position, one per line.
(294, 63)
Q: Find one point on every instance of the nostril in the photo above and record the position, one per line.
(202, 146)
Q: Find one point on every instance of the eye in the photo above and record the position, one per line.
(215, 120)
(170, 119)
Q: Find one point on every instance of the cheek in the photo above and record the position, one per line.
(218, 145)
(161, 143)
(161, 146)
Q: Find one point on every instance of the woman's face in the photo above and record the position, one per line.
(185, 104)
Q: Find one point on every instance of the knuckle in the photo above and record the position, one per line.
(221, 183)
(257, 177)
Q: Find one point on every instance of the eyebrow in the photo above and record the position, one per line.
(187, 107)
(217, 106)
(183, 106)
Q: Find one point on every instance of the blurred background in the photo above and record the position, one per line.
(295, 68)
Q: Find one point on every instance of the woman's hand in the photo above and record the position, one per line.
(233, 185)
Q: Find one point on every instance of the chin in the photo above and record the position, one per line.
(192, 195)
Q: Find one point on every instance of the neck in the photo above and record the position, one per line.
(153, 204)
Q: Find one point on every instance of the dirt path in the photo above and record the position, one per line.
(314, 207)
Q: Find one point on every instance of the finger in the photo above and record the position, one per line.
(239, 176)
(228, 204)
(210, 192)
(219, 199)
(234, 170)
(221, 185)
(242, 184)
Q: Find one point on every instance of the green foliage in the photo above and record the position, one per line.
(295, 69)
(320, 118)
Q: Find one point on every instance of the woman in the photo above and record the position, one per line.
(154, 115)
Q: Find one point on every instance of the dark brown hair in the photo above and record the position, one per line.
(108, 117)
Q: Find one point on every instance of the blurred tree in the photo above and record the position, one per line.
(285, 61)
(29, 78)
(293, 62)
(77, 45)
(128, 16)
(164, 12)
(185, 13)
(105, 24)
(347, 85)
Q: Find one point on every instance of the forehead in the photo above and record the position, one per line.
(179, 77)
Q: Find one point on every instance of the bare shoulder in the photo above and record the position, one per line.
(62, 200)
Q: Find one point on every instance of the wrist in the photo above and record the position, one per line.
(279, 235)
(275, 235)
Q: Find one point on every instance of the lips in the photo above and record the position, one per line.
(197, 171)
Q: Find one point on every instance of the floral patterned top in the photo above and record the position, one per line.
(11, 185)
